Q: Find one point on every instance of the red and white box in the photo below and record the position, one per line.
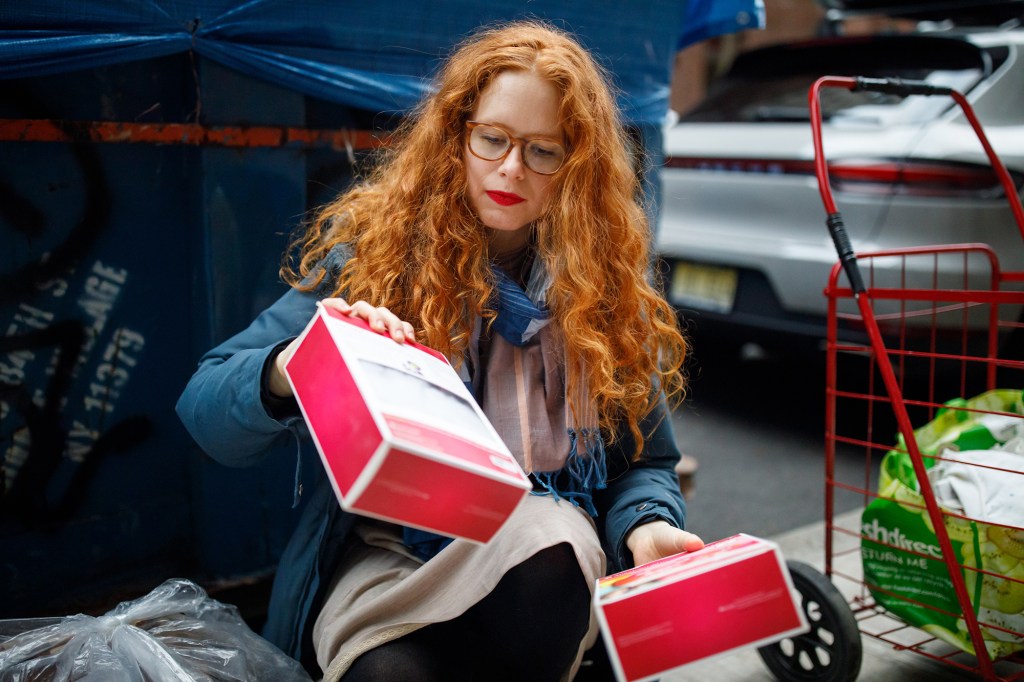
(732, 594)
(400, 435)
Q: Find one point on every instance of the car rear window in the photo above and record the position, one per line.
(771, 84)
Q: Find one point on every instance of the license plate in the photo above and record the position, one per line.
(704, 287)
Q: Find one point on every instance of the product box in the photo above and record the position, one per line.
(734, 593)
(400, 435)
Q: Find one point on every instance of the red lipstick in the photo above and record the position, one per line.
(504, 198)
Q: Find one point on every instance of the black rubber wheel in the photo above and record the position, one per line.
(831, 650)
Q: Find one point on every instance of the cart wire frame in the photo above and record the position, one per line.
(903, 321)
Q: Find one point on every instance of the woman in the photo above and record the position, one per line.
(503, 229)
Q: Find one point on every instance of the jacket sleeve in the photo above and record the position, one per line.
(643, 491)
(221, 407)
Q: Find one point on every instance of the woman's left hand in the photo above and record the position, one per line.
(658, 539)
(380, 320)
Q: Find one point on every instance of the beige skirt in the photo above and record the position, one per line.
(381, 592)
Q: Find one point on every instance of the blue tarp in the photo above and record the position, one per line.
(376, 56)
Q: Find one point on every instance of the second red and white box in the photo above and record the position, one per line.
(734, 593)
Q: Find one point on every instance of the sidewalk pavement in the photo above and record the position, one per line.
(881, 661)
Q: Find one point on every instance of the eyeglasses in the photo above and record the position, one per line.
(493, 143)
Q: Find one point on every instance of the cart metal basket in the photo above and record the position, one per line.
(916, 336)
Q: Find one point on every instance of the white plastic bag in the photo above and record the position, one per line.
(176, 633)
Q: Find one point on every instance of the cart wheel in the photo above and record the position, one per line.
(831, 650)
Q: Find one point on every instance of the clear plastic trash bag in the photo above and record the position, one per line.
(175, 633)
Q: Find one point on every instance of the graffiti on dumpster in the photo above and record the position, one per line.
(24, 217)
(62, 371)
(58, 388)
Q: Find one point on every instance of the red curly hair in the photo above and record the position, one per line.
(418, 249)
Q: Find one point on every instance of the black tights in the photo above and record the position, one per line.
(528, 628)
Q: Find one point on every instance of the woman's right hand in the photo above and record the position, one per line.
(380, 320)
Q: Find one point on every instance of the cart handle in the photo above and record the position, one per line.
(902, 88)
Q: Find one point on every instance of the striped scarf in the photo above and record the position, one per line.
(563, 453)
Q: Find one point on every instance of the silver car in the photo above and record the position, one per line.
(742, 230)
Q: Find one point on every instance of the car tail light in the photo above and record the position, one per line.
(919, 178)
(874, 176)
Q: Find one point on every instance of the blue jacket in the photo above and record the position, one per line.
(223, 410)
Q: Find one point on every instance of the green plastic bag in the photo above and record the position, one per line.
(896, 530)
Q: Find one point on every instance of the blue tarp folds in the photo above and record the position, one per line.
(376, 56)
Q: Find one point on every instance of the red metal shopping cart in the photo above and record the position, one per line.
(925, 366)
